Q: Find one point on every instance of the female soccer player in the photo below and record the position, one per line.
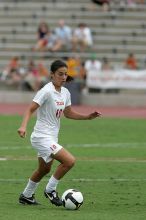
(50, 102)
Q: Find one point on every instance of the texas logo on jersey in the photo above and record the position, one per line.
(59, 103)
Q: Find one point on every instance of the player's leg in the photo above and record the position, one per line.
(42, 170)
(27, 197)
(67, 161)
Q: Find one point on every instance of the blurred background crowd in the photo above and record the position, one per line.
(87, 34)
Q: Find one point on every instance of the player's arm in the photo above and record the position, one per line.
(30, 110)
(70, 113)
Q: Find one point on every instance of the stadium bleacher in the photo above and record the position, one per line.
(116, 32)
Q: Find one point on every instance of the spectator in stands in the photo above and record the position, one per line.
(105, 4)
(49, 43)
(11, 74)
(64, 33)
(75, 68)
(53, 42)
(106, 64)
(13, 65)
(82, 71)
(14, 79)
(93, 64)
(77, 72)
(43, 73)
(42, 33)
(31, 81)
(82, 37)
(131, 62)
(131, 4)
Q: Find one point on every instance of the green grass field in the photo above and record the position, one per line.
(110, 170)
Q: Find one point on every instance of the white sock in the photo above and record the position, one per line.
(30, 188)
(52, 184)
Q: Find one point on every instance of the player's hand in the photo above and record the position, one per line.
(94, 115)
(21, 132)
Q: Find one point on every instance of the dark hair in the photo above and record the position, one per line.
(57, 64)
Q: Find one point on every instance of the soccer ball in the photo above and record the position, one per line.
(72, 199)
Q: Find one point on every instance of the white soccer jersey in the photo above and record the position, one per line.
(52, 103)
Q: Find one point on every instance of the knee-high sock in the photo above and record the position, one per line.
(52, 184)
(30, 188)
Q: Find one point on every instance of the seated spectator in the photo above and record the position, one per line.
(131, 4)
(42, 32)
(13, 65)
(49, 43)
(12, 75)
(43, 73)
(14, 79)
(131, 62)
(31, 81)
(106, 65)
(53, 42)
(64, 34)
(82, 37)
(93, 64)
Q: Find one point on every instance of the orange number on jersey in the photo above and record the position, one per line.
(58, 113)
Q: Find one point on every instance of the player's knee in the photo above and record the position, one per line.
(71, 163)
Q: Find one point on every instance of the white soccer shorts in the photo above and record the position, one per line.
(45, 147)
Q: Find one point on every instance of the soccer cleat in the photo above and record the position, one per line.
(53, 197)
(27, 201)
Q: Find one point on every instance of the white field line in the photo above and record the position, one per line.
(3, 159)
(113, 145)
(83, 180)
(109, 180)
(83, 159)
(14, 147)
(96, 145)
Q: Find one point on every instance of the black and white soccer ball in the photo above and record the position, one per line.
(72, 199)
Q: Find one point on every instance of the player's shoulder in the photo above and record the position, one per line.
(44, 91)
(47, 87)
(65, 90)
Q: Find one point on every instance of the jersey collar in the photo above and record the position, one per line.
(53, 88)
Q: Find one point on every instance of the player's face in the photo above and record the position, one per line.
(60, 76)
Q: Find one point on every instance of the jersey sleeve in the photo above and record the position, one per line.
(40, 97)
(68, 99)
